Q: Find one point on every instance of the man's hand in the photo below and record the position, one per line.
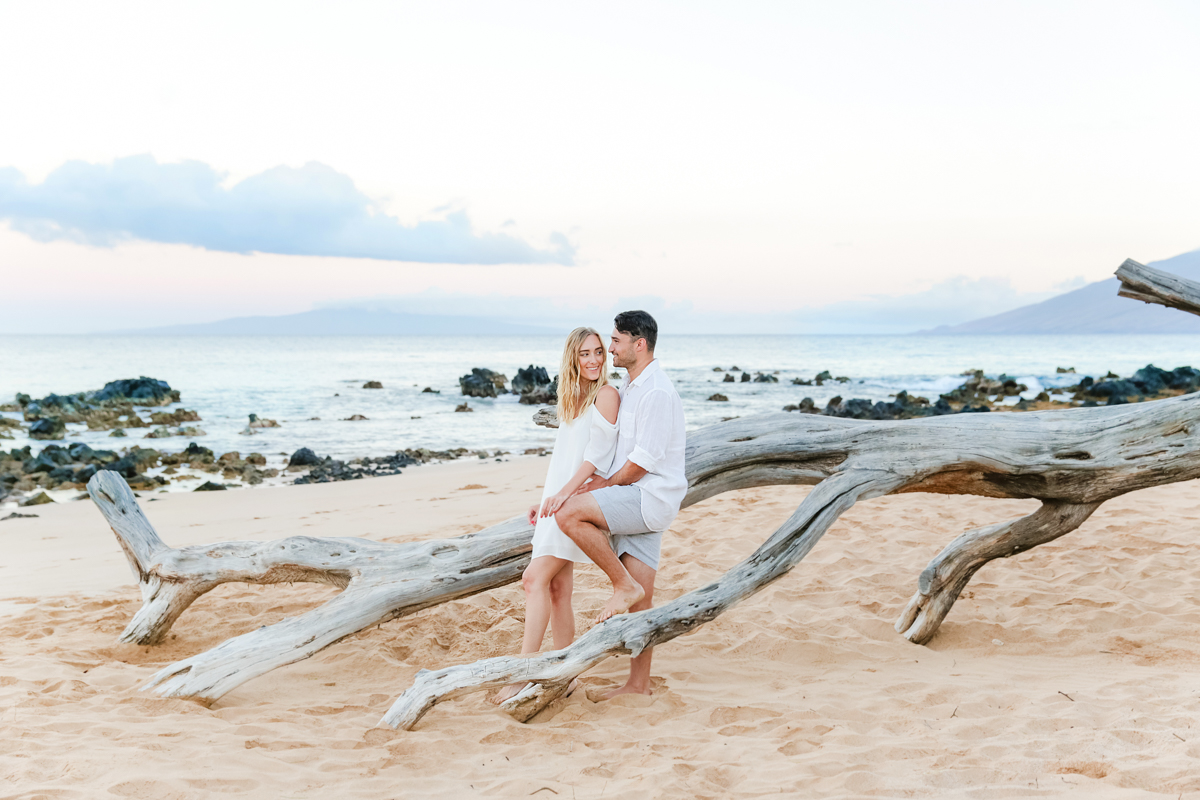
(533, 512)
(591, 485)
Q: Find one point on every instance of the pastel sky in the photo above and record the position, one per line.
(816, 167)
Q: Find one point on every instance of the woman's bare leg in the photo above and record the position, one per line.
(562, 615)
(536, 581)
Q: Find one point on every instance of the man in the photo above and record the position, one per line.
(619, 521)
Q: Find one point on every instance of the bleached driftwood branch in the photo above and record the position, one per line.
(1150, 285)
(1071, 460)
(380, 582)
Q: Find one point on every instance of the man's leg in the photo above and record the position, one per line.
(639, 667)
(583, 522)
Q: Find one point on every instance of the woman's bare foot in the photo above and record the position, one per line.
(626, 689)
(620, 602)
(507, 692)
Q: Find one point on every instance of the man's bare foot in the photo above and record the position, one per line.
(626, 689)
(620, 602)
(507, 692)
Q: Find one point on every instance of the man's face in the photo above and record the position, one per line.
(623, 349)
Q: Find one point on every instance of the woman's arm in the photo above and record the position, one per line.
(608, 402)
(586, 470)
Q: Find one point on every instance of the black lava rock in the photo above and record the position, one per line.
(47, 428)
(148, 390)
(542, 395)
(51, 458)
(806, 406)
(194, 452)
(482, 383)
(330, 469)
(304, 457)
(1117, 388)
(530, 378)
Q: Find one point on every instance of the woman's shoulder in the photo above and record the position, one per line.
(608, 400)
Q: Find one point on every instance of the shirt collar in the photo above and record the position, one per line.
(640, 379)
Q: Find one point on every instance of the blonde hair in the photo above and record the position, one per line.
(575, 393)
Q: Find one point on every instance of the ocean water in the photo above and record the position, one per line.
(310, 385)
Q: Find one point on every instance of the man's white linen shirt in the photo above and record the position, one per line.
(650, 433)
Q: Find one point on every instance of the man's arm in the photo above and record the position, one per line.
(627, 474)
(650, 446)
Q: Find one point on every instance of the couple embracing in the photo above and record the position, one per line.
(615, 483)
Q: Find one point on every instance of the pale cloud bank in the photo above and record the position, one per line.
(313, 210)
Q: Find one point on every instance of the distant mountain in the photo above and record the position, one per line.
(1095, 308)
(348, 322)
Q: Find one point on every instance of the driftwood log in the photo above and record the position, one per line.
(380, 582)
(1070, 460)
(1150, 285)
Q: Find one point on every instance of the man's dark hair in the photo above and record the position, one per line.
(639, 325)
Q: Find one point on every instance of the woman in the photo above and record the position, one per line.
(586, 444)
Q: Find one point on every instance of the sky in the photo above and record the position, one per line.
(751, 167)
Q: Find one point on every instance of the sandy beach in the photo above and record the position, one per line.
(1066, 671)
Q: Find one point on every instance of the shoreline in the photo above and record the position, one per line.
(52, 464)
(184, 479)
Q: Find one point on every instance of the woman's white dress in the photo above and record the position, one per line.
(592, 438)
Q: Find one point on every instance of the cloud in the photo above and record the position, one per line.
(313, 210)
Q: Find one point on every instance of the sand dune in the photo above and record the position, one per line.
(1070, 670)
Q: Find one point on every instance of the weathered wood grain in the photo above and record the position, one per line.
(1151, 285)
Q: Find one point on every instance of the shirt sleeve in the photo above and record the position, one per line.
(653, 430)
(602, 443)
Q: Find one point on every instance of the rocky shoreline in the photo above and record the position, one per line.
(980, 393)
(26, 477)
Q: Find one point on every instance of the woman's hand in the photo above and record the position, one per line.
(533, 514)
(553, 504)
